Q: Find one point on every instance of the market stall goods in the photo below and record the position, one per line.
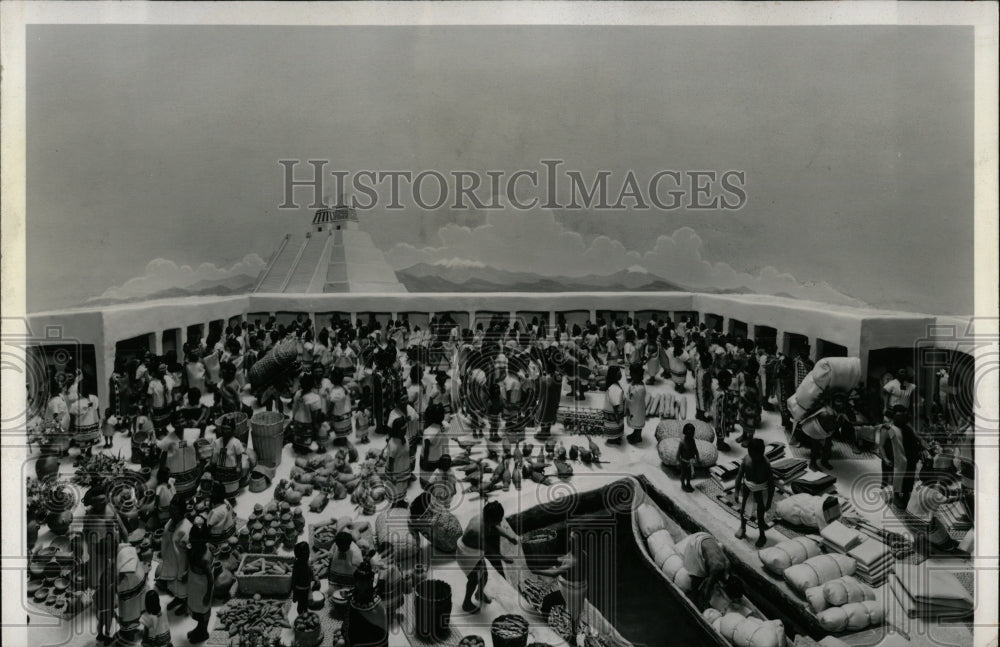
(788, 553)
(265, 575)
(818, 570)
(852, 617)
(750, 631)
(675, 429)
(838, 592)
(668, 449)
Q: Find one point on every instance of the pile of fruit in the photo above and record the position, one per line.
(264, 566)
(240, 615)
(472, 641)
(307, 622)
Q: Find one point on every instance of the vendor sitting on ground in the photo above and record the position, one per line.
(571, 589)
(345, 558)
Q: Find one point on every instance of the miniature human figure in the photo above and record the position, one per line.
(481, 542)
(687, 455)
(635, 404)
(726, 409)
(304, 580)
(755, 477)
(155, 628)
(614, 422)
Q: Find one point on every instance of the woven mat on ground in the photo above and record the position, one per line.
(409, 624)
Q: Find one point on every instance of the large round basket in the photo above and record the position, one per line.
(509, 630)
(668, 449)
(240, 422)
(542, 548)
(267, 431)
(432, 608)
(675, 429)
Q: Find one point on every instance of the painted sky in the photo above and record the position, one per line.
(161, 144)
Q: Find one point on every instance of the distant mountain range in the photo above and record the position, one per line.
(452, 277)
(219, 287)
(425, 277)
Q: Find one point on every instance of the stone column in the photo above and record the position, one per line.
(156, 343)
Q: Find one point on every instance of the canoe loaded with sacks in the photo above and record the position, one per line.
(742, 625)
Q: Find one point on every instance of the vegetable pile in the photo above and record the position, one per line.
(472, 641)
(307, 622)
(264, 566)
(509, 626)
(239, 615)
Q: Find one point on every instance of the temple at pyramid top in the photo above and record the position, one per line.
(335, 255)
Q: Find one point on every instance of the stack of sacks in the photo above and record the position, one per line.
(837, 593)
(838, 538)
(669, 559)
(874, 561)
(668, 448)
(675, 429)
(808, 510)
(818, 570)
(788, 553)
(854, 616)
(749, 631)
(931, 593)
(650, 519)
(829, 373)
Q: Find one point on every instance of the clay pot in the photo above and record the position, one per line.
(46, 466)
(59, 522)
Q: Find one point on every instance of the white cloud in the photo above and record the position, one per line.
(162, 274)
(534, 241)
(458, 262)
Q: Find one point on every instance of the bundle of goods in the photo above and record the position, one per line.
(854, 616)
(665, 405)
(256, 637)
(837, 593)
(900, 545)
(874, 561)
(240, 615)
(669, 447)
(278, 363)
(509, 630)
(788, 468)
(650, 519)
(774, 451)
(330, 473)
(838, 538)
(724, 475)
(818, 570)
(308, 632)
(830, 374)
(669, 558)
(747, 631)
(807, 510)
(392, 526)
(931, 593)
(265, 574)
(813, 482)
(788, 553)
(581, 420)
(675, 429)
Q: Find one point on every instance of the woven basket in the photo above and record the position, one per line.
(241, 425)
(258, 482)
(669, 447)
(675, 429)
(276, 585)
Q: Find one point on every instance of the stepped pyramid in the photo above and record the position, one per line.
(335, 256)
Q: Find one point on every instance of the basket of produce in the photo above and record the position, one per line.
(308, 632)
(509, 630)
(240, 616)
(542, 548)
(265, 575)
(472, 641)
